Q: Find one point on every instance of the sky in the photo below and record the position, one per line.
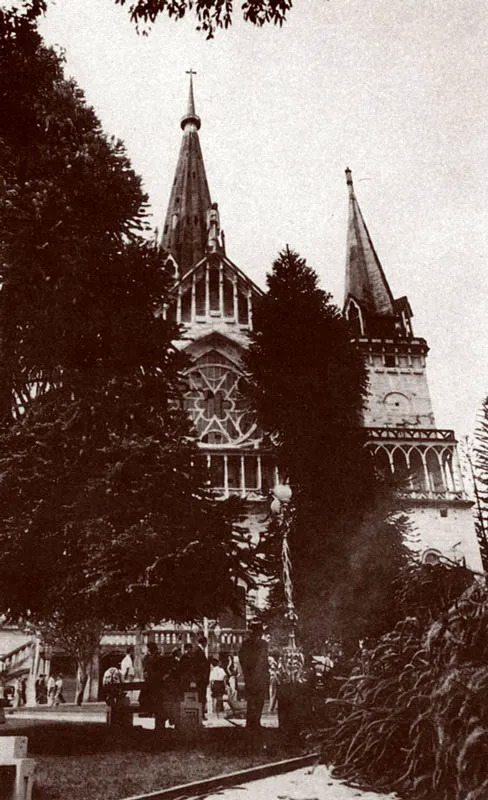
(393, 89)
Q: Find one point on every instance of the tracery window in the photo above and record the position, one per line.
(216, 403)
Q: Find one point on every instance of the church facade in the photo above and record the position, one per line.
(214, 302)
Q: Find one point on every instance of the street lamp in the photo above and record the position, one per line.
(282, 495)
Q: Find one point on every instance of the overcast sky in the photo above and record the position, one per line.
(393, 89)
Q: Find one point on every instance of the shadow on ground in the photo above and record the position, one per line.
(81, 760)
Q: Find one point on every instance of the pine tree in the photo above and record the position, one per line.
(309, 383)
(101, 514)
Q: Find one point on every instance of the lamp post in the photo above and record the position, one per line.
(282, 495)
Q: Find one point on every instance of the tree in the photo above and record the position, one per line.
(80, 640)
(101, 511)
(209, 14)
(74, 273)
(308, 383)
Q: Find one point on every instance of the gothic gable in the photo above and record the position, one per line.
(215, 294)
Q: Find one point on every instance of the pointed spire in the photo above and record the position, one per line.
(365, 280)
(191, 116)
(185, 229)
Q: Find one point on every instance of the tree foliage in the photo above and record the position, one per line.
(308, 383)
(76, 278)
(413, 715)
(210, 14)
(101, 514)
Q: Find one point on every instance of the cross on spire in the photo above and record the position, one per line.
(190, 115)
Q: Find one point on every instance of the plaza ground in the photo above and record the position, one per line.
(78, 757)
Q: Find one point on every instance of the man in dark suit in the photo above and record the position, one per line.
(253, 657)
(201, 669)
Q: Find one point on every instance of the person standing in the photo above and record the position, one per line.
(51, 689)
(127, 670)
(232, 675)
(186, 671)
(253, 657)
(201, 667)
(151, 696)
(17, 693)
(41, 689)
(127, 665)
(58, 690)
(218, 680)
(273, 681)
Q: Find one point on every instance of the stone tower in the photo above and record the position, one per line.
(213, 301)
(399, 417)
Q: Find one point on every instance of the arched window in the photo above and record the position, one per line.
(382, 463)
(355, 318)
(435, 472)
(220, 411)
(400, 467)
(431, 556)
(417, 472)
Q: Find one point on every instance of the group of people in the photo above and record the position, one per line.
(168, 677)
(49, 689)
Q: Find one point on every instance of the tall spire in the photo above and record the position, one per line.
(365, 279)
(185, 227)
(190, 116)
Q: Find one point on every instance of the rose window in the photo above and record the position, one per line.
(216, 404)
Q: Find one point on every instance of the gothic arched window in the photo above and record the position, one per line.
(355, 318)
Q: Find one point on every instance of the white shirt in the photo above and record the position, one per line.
(127, 668)
(217, 674)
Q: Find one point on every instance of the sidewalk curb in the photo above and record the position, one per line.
(199, 788)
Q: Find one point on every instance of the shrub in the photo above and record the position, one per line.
(413, 714)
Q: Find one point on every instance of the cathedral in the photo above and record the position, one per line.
(214, 304)
(213, 301)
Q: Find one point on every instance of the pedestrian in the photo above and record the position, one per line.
(201, 666)
(151, 696)
(51, 689)
(127, 665)
(273, 665)
(232, 675)
(58, 690)
(41, 689)
(186, 671)
(171, 686)
(128, 672)
(253, 657)
(23, 691)
(17, 693)
(218, 680)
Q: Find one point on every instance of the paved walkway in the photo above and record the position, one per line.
(309, 783)
(97, 712)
